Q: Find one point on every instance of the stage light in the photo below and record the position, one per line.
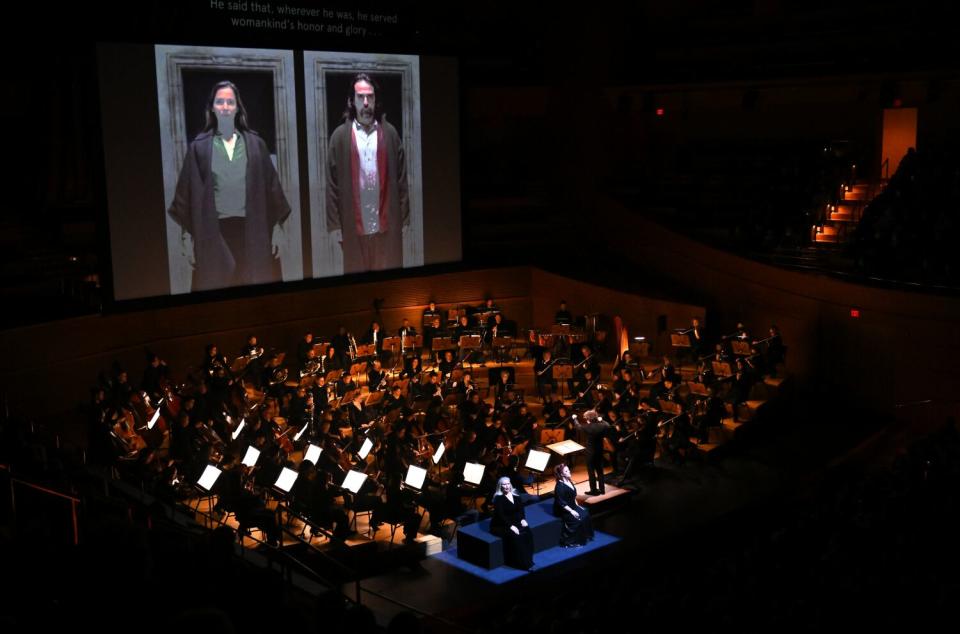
(660, 112)
(855, 313)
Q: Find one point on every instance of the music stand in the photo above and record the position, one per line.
(302, 429)
(473, 473)
(236, 432)
(669, 407)
(333, 376)
(353, 481)
(392, 343)
(740, 348)
(438, 453)
(470, 343)
(285, 480)
(204, 486)
(500, 344)
(551, 436)
(565, 448)
(250, 458)
(722, 369)
(373, 399)
(679, 341)
(415, 478)
(320, 349)
(537, 462)
(312, 453)
(562, 372)
(358, 368)
(698, 389)
(365, 449)
(366, 350)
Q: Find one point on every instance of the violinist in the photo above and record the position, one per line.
(235, 495)
(584, 390)
(776, 351)
(412, 369)
(669, 371)
(448, 365)
(474, 411)
(543, 372)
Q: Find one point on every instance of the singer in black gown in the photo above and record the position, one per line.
(577, 528)
(509, 523)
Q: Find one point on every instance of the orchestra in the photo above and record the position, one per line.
(342, 394)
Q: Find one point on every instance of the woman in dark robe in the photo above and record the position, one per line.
(577, 528)
(509, 522)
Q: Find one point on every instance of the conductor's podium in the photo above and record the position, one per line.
(478, 546)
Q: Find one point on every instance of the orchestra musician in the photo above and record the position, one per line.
(543, 373)
(154, 375)
(374, 336)
(341, 343)
(563, 317)
(376, 377)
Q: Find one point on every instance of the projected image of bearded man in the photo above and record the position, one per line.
(229, 201)
(366, 196)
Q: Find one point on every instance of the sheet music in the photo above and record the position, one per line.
(313, 453)
(250, 458)
(286, 480)
(209, 477)
(354, 481)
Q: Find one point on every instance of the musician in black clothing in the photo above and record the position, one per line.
(584, 390)
(321, 393)
(346, 384)
(596, 429)
(153, 375)
(543, 372)
(254, 353)
(448, 364)
(332, 360)
(374, 335)
(303, 349)
(376, 377)
(213, 360)
(406, 330)
(776, 351)
(314, 499)
(563, 317)
(510, 523)
(668, 370)
(697, 339)
(412, 369)
(341, 343)
(235, 495)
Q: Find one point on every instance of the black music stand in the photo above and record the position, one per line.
(470, 343)
(740, 348)
(562, 373)
(537, 462)
(393, 344)
(722, 369)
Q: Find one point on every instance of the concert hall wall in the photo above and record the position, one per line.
(901, 349)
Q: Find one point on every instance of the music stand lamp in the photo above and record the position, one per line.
(472, 477)
(365, 450)
(236, 432)
(537, 462)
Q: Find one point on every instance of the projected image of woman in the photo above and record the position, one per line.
(228, 201)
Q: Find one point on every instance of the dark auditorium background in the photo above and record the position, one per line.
(640, 158)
